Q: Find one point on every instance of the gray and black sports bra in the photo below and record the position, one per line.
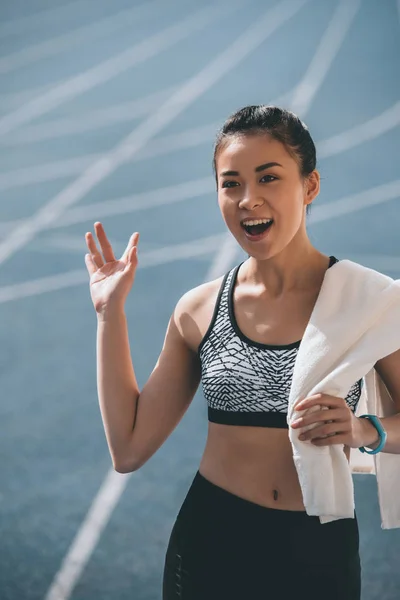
(246, 382)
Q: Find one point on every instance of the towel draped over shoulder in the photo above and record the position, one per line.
(355, 322)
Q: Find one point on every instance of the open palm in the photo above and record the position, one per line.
(110, 279)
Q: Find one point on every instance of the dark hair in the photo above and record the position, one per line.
(280, 124)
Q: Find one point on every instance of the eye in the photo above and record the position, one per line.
(268, 178)
(229, 184)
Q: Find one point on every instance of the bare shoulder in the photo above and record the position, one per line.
(194, 311)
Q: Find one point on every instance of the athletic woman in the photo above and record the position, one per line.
(242, 531)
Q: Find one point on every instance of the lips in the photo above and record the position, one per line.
(256, 229)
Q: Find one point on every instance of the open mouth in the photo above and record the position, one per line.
(257, 227)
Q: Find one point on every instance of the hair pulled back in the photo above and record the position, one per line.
(280, 124)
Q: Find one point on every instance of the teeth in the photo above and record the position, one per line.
(256, 222)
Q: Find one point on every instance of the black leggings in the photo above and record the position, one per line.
(225, 547)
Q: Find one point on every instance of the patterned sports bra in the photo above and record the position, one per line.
(246, 382)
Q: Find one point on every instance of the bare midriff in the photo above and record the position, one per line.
(254, 463)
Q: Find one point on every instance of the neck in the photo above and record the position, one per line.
(287, 272)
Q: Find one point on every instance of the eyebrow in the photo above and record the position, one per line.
(257, 169)
(267, 166)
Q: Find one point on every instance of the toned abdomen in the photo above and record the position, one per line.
(254, 463)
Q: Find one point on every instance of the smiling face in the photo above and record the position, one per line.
(262, 195)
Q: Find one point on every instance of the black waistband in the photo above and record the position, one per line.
(255, 419)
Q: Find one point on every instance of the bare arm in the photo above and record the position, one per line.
(137, 423)
(117, 388)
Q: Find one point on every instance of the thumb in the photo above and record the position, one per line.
(132, 257)
(133, 241)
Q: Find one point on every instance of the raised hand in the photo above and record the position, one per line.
(110, 279)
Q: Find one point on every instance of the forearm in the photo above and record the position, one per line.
(117, 387)
(392, 427)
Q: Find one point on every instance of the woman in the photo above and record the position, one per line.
(242, 531)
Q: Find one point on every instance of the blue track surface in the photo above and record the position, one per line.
(53, 452)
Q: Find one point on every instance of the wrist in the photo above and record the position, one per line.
(114, 313)
(370, 437)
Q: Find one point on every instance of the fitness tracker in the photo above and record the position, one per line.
(382, 434)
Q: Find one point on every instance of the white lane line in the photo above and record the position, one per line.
(85, 34)
(113, 484)
(76, 165)
(190, 91)
(46, 172)
(326, 52)
(151, 258)
(94, 120)
(72, 243)
(151, 255)
(137, 202)
(353, 202)
(97, 119)
(89, 533)
(12, 99)
(341, 142)
(365, 132)
(41, 18)
(335, 209)
(346, 140)
(127, 204)
(228, 250)
(75, 561)
(108, 69)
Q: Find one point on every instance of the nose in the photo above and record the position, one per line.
(251, 200)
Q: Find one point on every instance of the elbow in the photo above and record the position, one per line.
(128, 460)
(124, 466)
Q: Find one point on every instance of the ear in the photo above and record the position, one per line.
(312, 186)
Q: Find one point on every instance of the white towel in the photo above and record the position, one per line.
(355, 322)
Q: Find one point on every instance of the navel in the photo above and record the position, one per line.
(276, 494)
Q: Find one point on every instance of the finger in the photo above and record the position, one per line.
(105, 244)
(322, 431)
(332, 414)
(322, 399)
(133, 241)
(330, 441)
(132, 258)
(94, 252)
(308, 401)
(90, 265)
